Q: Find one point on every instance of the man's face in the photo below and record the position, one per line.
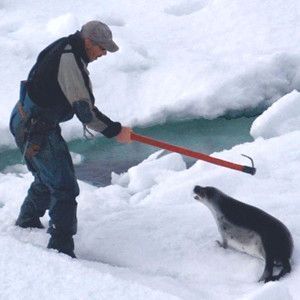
(93, 51)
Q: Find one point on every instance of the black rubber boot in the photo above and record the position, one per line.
(63, 244)
(29, 222)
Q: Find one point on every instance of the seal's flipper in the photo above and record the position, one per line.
(286, 268)
(222, 244)
(268, 271)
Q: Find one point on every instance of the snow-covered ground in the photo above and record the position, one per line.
(144, 236)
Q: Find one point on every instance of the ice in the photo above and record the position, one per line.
(282, 117)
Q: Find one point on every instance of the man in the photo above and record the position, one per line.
(58, 86)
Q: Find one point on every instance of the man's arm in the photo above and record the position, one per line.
(78, 93)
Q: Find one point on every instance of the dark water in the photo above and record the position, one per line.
(102, 156)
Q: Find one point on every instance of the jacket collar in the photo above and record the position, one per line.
(77, 44)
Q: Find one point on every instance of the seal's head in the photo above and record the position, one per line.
(206, 194)
(202, 193)
(209, 196)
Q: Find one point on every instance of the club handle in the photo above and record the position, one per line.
(198, 155)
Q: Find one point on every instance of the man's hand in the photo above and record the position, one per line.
(124, 135)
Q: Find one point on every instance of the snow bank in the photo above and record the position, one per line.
(282, 117)
(152, 170)
(181, 59)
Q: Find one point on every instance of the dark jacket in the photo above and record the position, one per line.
(59, 82)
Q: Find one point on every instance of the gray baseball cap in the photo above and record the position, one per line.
(100, 34)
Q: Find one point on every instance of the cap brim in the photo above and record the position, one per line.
(111, 46)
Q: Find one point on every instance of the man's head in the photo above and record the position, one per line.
(97, 39)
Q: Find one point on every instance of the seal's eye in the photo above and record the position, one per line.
(196, 197)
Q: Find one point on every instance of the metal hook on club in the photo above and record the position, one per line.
(251, 170)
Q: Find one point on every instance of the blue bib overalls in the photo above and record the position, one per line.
(55, 186)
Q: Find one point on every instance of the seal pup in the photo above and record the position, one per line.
(249, 229)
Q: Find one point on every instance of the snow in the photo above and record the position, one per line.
(143, 176)
(62, 277)
(76, 158)
(144, 236)
(282, 117)
(156, 236)
(272, 290)
(243, 62)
